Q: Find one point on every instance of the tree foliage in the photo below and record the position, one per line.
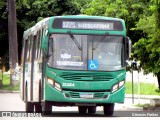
(147, 49)
(35, 10)
(129, 10)
(149, 25)
(3, 33)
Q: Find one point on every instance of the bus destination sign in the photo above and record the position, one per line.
(87, 25)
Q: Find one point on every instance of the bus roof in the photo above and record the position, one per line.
(87, 16)
(36, 27)
(45, 21)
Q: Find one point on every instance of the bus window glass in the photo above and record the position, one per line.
(64, 52)
(76, 51)
(37, 44)
(40, 50)
(28, 49)
(25, 51)
(107, 52)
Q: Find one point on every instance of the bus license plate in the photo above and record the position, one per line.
(86, 95)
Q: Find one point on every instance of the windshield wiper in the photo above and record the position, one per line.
(103, 37)
(74, 39)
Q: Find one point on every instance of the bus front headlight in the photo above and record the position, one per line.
(121, 83)
(51, 82)
(117, 86)
(54, 84)
(57, 86)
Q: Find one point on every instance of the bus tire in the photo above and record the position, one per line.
(108, 109)
(38, 108)
(92, 109)
(82, 109)
(29, 107)
(46, 108)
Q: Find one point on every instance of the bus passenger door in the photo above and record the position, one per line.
(23, 68)
(36, 67)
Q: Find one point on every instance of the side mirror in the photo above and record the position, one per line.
(128, 48)
(50, 47)
(45, 42)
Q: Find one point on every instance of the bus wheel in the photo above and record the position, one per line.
(29, 107)
(92, 109)
(108, 109)
(46, 108)
(82, 109)
(38, 108)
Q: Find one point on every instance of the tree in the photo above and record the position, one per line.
(35, 10)
(129, 10)
(13, 48)
(147, 49)
(4, 33)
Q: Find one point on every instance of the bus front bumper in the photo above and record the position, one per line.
(53, 95)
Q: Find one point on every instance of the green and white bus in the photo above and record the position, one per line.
(74, 61)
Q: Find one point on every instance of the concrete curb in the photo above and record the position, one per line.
(143, 96)
(133, 107)
(9, 91)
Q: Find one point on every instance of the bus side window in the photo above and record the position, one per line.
(25, 53)
(40, 44)
(28, 49)
(34, 45)
(38, 48)
(37, 44)
(31, 48)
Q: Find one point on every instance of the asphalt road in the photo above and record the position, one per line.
(12, 102)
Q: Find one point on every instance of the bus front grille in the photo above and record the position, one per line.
(87, 76)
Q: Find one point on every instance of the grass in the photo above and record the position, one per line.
(145, 88)
(6, 84)
(6, 79)
(142, 105)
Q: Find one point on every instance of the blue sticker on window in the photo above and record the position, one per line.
(92, 64)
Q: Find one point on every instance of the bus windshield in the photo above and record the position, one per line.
(106, 54)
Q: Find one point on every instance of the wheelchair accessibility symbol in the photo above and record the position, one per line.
(92, 64)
